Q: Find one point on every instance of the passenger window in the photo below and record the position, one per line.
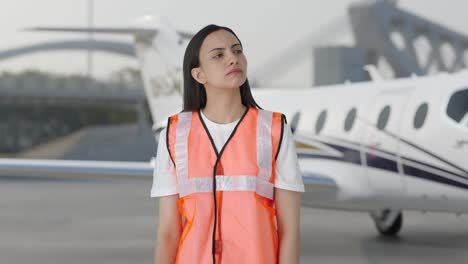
(383, 117)
(349, 121)
(420, 116)
(320, 121)
(295, 121)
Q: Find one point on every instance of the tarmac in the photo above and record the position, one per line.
(44, 220)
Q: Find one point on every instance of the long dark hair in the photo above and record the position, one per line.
(194, 92)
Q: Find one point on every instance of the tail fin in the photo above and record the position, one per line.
(159, 48)
(161, 68)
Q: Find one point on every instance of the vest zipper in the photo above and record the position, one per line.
(218, 158)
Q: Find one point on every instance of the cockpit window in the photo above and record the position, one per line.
(457, 108)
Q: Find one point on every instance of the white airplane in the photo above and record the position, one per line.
(379, 147)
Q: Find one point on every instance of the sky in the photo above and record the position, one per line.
(265, 27)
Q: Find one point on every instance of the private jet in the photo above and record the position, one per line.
(380, 147)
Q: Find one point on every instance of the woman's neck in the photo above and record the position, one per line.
(223, 106)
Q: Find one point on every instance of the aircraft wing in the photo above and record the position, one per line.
(109, 169)
(76, 168)
(107, 30)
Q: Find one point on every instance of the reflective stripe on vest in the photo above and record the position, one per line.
(181, 146)
(227, 183)
(264, 150)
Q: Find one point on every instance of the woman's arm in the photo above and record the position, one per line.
(169, 230)
(287, 215)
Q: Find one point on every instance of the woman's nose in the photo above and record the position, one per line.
(232, 58)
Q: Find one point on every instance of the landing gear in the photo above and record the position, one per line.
(388, 221)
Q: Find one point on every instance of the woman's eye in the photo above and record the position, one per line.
(217, 56)
(238, 51)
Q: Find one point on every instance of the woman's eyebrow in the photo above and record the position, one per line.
(232, 46)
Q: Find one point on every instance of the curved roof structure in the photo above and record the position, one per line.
(116, 47)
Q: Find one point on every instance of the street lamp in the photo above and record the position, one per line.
(90, 45)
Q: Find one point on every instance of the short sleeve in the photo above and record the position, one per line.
(164, 179)
(288, 173)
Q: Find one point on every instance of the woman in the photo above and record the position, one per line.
(250, 212)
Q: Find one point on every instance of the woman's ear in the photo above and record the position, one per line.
(198, 75)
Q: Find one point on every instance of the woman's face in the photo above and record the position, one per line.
(222, 62)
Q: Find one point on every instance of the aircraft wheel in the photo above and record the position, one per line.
(388, 222)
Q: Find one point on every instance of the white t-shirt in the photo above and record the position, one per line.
(288, 174)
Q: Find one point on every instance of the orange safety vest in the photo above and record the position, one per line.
(231, 219)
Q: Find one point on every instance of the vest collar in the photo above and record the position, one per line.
(219, 153)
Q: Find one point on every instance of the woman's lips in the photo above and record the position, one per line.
(234, 71)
